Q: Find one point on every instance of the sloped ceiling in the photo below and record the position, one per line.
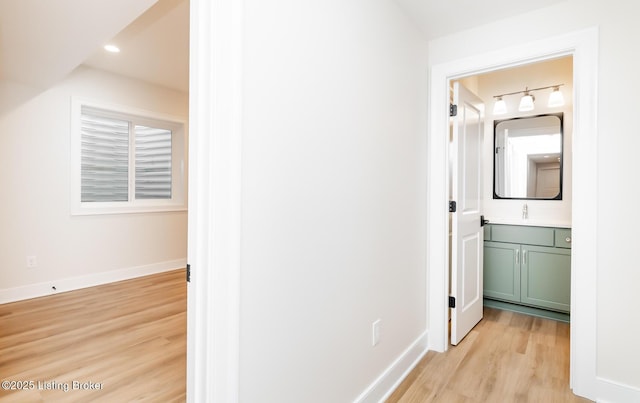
(42, 41)
(154, 48)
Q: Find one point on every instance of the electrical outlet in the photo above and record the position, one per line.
(32, 262)
(375, 333)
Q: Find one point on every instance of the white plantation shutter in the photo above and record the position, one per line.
(104, 158)
(153, 163)
(125, 160)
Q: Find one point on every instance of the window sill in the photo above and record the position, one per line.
(113, 208)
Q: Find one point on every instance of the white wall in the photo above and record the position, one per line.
(334, 197)
(558, 71)
(34, 211)
(617, 325)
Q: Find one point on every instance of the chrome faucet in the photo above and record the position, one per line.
(525, 211)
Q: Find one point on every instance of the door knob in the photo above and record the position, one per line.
(567, 239)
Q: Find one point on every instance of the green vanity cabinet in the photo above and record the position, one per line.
(528, 269)
(546, 277)
(502, 271)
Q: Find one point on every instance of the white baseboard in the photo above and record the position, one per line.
(386, 383)
(74, 283)
(614, 392)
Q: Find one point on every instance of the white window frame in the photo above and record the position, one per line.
(178, 201)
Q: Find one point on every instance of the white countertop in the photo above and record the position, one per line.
(529, 222)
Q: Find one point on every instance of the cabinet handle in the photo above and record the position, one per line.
(567, 239)
(517, 256)
(524, 256)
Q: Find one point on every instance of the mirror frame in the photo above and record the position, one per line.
(559, 115)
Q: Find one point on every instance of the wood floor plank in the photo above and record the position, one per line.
(129, 336)
(507, 357)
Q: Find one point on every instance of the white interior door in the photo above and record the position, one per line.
(467, 234)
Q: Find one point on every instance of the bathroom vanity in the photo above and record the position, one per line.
(528, 269)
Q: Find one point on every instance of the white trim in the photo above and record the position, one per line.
(583, 45)
(610, 391)
(215, 118)
(89, 280)
(389, 380)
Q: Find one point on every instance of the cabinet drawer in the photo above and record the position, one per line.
(563, 238)
(523, 234)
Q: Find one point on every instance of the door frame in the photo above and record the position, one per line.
(583, 46)
(215, 177)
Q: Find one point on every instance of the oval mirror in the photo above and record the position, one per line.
(528, 157)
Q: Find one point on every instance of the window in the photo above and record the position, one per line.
(126, 161)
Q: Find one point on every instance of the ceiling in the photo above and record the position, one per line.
(43, 41)
(154, 48)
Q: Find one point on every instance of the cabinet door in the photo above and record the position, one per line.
(546, 277)
(502, 271)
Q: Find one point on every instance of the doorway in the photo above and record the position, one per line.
(556, 212)
(582, 46)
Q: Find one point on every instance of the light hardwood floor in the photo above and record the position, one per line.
(128, 336)
(507, 357)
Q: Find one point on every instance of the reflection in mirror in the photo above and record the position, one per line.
(528, 158)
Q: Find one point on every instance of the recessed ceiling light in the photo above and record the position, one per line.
(112, 48)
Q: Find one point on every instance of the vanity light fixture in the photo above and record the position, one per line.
(527, 101)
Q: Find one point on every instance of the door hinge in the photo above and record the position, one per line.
(188, 273)
(452, 206)
(452, 302)
(453, 110)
